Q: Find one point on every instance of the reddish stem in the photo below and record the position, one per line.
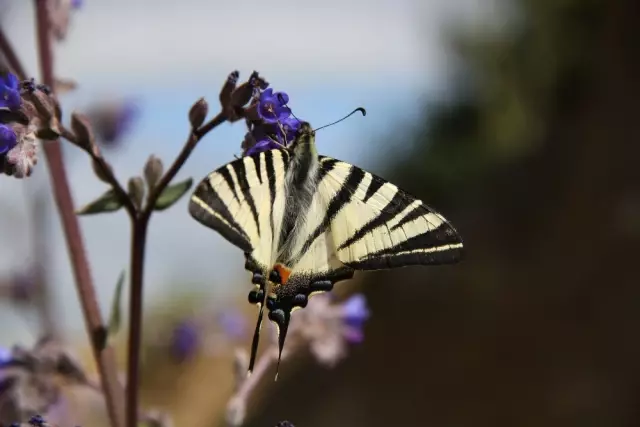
(93, 320)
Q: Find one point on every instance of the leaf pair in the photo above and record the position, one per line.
(110, 202)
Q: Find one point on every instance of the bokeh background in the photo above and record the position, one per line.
(518, 120)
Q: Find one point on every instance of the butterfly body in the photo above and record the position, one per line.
(307, 221)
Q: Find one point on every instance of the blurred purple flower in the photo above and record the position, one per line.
(355, 313)
(10, 91)
(24, 287)
(76, 4)
(272, 106)
(233, 323)
(113, 121)
(5, 355)
(185, 340)
(8, 139)
(37, 421)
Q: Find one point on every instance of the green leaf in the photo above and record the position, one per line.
(172, 194)
(115, 317)
(108, 202)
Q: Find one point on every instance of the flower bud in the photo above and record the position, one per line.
(153, 171)
(227, 89)
(135, 188)
(198, 113)
(82, 130)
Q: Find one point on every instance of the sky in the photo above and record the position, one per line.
(388, 56)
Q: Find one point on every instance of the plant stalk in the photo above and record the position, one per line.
(104, 356)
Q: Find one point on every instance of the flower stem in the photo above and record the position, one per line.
(140, 224)
(93, 320)
(139, 227)
(10, 55)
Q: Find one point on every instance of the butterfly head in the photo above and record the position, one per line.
(305, 138)
(305, 129)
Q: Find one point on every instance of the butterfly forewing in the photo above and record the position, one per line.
(240, 201)
(380, 226)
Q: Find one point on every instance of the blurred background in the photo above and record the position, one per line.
(516, 119)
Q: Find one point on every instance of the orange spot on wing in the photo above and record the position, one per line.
(283, 271)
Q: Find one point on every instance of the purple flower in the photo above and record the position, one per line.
(185, 340)
(112, 121)
(233, 323)
(265, 137)
(272, 106)
(76, 4)
(260, 146)
(5, 356)
(290, 126)
(8, 139)
(9, 92)
(354, 313)
(37, 421)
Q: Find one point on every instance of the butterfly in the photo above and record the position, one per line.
(306, 221)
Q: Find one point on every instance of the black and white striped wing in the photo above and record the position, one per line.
(375, 225)
(244, 202)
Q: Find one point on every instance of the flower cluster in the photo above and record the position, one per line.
(9, 100)
(270, 122)
(30, 380)
(328, 327)
(27, 111)
(324, 326)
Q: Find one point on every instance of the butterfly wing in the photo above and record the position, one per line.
(357, 221)
(244, 202)
(379, 226)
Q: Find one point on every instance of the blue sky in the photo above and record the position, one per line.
(331, 57)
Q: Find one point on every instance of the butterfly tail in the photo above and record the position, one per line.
(256, 340)
(281, 319)
(257, 297)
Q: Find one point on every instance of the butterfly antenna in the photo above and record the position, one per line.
(256, 340)
(281, 99)
(360, 109)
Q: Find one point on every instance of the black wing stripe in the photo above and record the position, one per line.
(241, 175)
(271, 176)
(417, 212)
(339, 200)
(430, 240)
(395, 206)
(256, 164)
(216, 215)
(448, 256)
(375, 185)
(326, 166)
(224, 172)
